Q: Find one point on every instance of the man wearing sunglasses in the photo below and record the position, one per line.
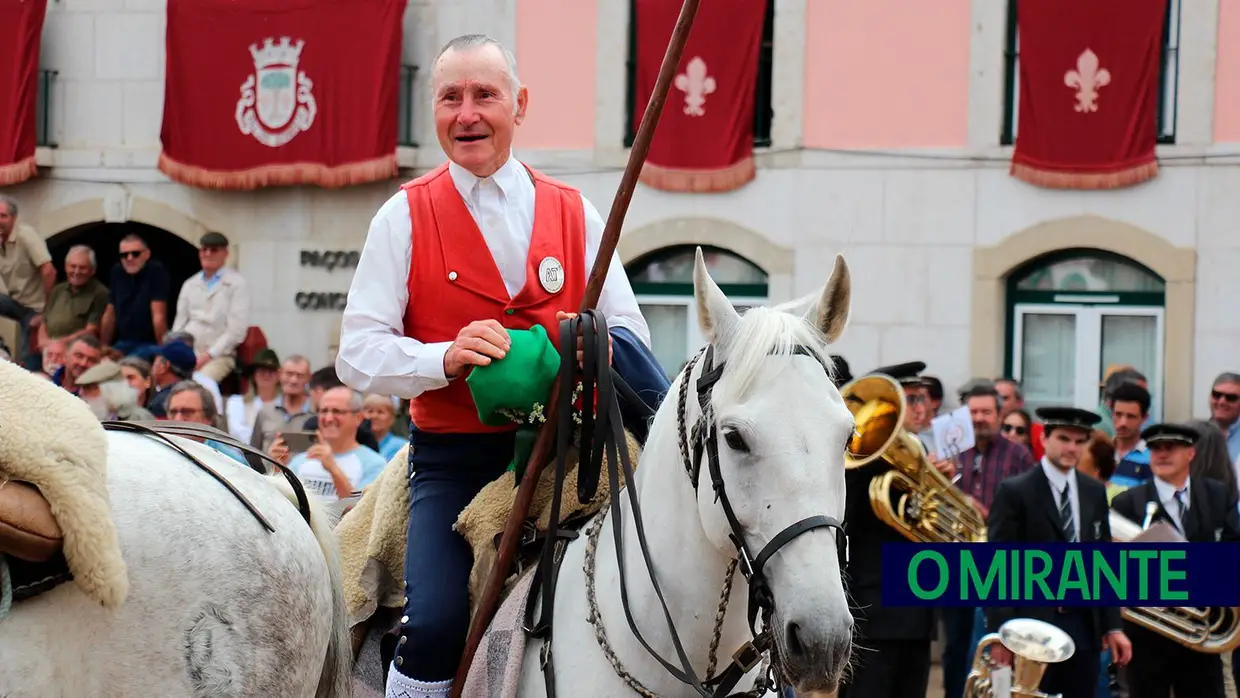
(136, 318)
(1225, 410)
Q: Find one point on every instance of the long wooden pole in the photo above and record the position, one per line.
(594, 287)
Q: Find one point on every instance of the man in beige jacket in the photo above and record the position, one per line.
(214, 307)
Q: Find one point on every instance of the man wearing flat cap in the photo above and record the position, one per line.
(1053, 503)
(1203, 511)
(214, 307)
(897, 664)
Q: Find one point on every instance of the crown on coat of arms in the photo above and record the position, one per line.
(283, 53)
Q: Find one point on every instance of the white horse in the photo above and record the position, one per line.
(218, 605)
(782, 431)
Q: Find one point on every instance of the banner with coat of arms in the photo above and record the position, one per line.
(704, 140)
(281, 92)
(21, 30)
(1088, 105)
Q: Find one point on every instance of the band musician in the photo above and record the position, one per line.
(896, 660)
(1051, 503)
(1203, 511)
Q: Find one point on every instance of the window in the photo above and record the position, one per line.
(763, 114)
(43, 109)
(404, 107)
(1168, 83)
(663, 283)
(1073, 314)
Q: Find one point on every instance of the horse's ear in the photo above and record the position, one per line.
(716, 316)
(828, 309)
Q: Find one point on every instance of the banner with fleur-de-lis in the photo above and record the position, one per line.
(704, 140)
(1088, 76)
(21, 26)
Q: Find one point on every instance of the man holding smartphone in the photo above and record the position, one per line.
(336, 465)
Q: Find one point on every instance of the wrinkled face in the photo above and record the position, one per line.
(81, 357)
(1015, 428)
(212, 258)
(1171, 461)
(476, 111)
(381, 417)
(7, 219)
(78, 268)
(53, 357)
(1064, 446)
(1225, 403)
(187, 407)
(984, 411)
(133, 256)
(1127, 417)
(294, 375)
(337, 419)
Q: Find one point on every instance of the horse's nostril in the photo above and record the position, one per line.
(795, 646)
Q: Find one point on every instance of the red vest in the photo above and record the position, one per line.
(453, 281)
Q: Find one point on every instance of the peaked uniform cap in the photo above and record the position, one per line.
(517, 382)
(1074, 417)
(1170, 433)
(905, 374)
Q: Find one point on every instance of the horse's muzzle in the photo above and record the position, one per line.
(813, 653)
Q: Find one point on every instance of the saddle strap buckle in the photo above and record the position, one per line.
(544, 655)
(747, 657)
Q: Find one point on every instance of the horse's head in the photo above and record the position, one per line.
(781, 429)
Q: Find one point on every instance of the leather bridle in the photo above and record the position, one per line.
(605, 420)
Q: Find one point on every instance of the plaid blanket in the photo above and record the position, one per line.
(496, 671)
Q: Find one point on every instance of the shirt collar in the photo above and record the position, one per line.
(1057, 477)
(1166, 490)
(506, 178)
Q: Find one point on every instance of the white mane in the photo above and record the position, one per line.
(761, 333)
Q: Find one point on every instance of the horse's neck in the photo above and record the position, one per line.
(689, 568)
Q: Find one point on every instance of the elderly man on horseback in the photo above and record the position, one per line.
(460, 256)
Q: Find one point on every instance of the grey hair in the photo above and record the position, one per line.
(118, 394)
(11, 203)
(209, 410)
(470, 42)
(357, 403)
(1227, 377)
(180, 336)
(90, 254)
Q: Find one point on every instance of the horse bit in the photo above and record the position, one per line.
(704, 441)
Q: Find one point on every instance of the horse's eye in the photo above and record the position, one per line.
(735, 441)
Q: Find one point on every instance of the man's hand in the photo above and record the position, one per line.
(1120, 646)
(476, 345)
(981, 508)
(321, 452)
(279, 450)
(1000, 655)
(203, 359)
(947, 466)
(36, 321)
(561, 316)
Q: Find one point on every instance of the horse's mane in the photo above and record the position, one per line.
(761, 333)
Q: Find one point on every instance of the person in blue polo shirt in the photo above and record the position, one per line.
(1130, 407)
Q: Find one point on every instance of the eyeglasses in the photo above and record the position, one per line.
(1229, 397)
(1014, 429)
(183, 412)
(331, 412)
(133, 254)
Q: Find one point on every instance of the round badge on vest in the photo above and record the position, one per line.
(551, 274)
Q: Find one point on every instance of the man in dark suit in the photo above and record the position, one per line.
(896, 660)
(1203, 511)
(1052, 503)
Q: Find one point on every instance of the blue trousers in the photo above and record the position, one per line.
(446, 472)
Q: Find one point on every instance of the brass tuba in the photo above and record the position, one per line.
(1206, 630)
(912, 497)
(1033, 644)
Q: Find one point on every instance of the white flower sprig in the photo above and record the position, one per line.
(536, 415)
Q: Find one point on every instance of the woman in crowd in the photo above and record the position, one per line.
(137, 373)
(1016, 427)
(262, 388)
(381, 412)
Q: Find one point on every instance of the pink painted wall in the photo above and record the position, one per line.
(887, 73)
(556, 42)
(1227, 73)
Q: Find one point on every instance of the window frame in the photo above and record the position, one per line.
(764, 112)
(1169, 60)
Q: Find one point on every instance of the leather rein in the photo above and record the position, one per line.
(256, 459)
(601, 431)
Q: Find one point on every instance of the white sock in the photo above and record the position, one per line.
(401, 686)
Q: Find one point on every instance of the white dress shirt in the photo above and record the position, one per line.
(1058, 479)
(376, 356)
(1166, 497)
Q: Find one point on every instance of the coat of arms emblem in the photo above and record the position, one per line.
(276, 100)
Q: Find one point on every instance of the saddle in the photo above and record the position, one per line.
(28, 531)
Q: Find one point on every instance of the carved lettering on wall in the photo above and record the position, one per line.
(330, 260)
(320, 300)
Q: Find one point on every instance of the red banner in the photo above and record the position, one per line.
(704, 140)
(21, 26)
(281, 92)
(1089, 76)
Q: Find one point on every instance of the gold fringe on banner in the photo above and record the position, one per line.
(1085, 180)
(18, 172)
(699, 181)
(281, 175)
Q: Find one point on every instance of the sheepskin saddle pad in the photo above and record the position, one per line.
(482, 521)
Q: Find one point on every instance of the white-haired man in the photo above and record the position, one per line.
(451, 263)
